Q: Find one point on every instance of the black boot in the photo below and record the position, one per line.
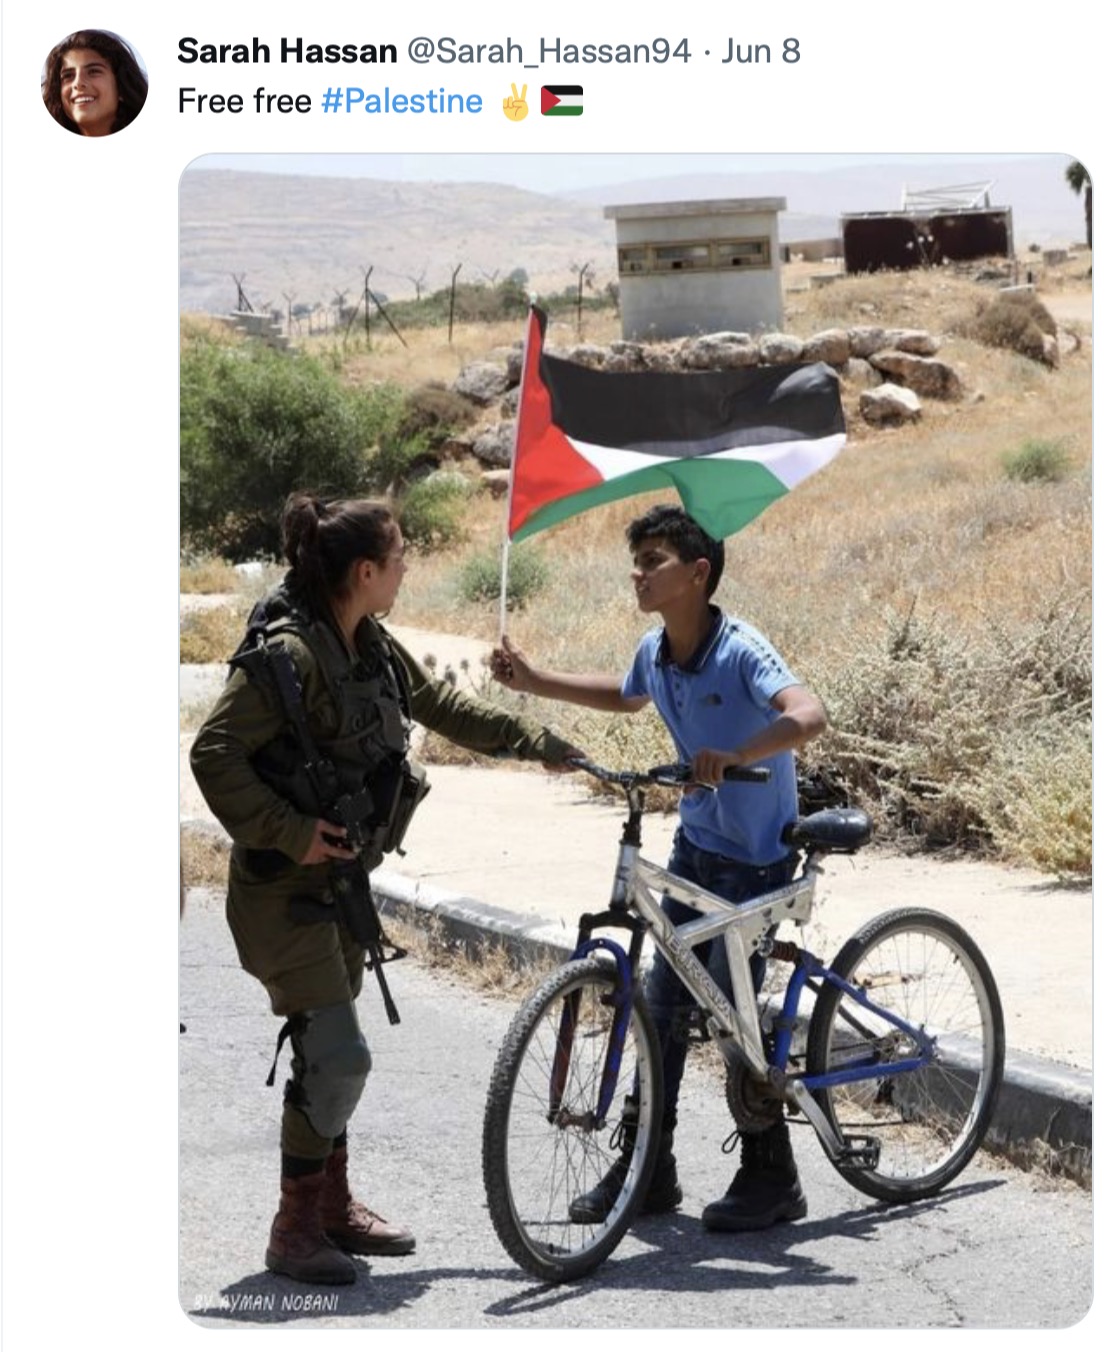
(765, 1190)
(664, 1192)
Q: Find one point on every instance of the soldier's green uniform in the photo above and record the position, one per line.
(358, 711)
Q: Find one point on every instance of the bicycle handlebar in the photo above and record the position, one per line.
(671, 776)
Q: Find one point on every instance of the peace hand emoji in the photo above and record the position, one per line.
(515, 108)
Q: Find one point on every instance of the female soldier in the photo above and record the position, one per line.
(360, 691)
(93, 85)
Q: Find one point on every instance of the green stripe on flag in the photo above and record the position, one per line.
(722, 495)
(562, 100)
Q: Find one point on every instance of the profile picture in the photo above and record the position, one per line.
(93, 84)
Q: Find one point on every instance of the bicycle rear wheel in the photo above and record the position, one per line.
(542, 1145)
(928, 1122)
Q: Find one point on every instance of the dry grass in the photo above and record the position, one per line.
(429, 357)
(919, 526)
(204, 859)
(1066, 1168)
(488, 968)
(212, 635)
(207, 576)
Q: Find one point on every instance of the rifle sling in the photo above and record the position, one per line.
(290, 692)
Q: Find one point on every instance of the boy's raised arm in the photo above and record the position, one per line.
(511, 668)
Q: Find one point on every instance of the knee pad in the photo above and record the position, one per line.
(330, 1063)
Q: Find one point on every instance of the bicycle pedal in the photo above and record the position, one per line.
(860, 1152)
(691, 1027)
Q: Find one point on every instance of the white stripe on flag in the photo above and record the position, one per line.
(788, 461)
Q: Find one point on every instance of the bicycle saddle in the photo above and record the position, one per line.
(841, 830)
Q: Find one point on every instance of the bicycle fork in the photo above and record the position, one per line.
(616, 916)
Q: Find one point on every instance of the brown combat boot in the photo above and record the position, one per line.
(352, 1226)
(298, 1248)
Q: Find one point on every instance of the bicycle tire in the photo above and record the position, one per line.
(929, 1122)
(534, 1167)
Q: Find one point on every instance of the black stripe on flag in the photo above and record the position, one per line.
(684, 414)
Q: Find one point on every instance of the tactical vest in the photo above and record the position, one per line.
(366, 737)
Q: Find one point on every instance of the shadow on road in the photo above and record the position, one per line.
(684, 1257)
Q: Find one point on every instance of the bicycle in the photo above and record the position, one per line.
(899, 1076)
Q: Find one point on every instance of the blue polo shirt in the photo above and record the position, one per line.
(718, 699)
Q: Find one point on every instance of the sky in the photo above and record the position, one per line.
(554, 173)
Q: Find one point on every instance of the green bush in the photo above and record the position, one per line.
(1037, 462)
(396, 461)
(477, 303)
(431, 512)
(528, 573)
(433, 414)
(256, 425)
(473, 303)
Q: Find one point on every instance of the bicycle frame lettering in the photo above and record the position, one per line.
(737, 1028)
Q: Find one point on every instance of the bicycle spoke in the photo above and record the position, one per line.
(539, 1161)
(928, 1121)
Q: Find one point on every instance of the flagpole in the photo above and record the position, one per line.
(512, 474)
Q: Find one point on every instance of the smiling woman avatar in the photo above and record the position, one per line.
(92, 83)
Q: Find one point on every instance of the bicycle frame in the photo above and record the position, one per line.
(735, 1026)
(582, 1055)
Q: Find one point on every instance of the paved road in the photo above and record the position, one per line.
(962, 1260)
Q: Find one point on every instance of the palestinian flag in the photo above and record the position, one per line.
(562, 100)
(729, 442)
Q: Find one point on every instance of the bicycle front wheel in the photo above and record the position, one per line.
(543, 1144)
(927, 1123)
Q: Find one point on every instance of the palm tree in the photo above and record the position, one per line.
(1077, 176)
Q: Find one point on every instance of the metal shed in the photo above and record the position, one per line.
(934, 226)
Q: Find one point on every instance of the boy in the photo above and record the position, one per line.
(727, 698)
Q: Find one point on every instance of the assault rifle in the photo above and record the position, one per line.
(353, 906)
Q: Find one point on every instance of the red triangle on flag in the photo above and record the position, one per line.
(546, 466)
(549, 100)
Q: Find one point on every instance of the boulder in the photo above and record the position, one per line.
(926, 375)
(1068, 342)
(658, 358)
(482, 382)
(513, 364)
(719, 352)
(777, 349)
(493, 445)
(860, 372)
(588, 354)
(831, 346)
(889, 405)
(866, 339)
(625, 356)
(917, 341)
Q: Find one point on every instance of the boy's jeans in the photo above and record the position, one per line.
(666, 996)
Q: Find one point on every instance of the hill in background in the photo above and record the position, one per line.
(309, 237)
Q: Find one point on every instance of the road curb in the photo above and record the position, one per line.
(1044, 1112)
